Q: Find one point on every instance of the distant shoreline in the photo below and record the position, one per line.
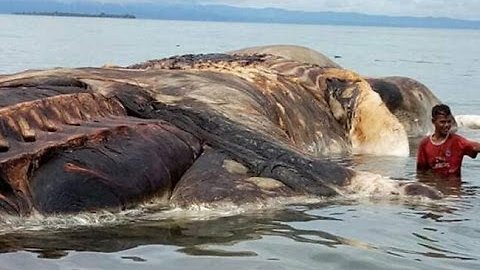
(72, 14)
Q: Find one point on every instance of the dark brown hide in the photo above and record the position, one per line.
(73, 152)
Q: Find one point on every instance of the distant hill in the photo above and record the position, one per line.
(71, 14)
(169, 11)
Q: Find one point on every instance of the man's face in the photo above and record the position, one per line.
(442, 124)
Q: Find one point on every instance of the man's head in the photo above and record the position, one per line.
(442, 119)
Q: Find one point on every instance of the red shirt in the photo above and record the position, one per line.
(444, 158)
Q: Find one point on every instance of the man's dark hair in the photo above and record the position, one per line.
(441, 109)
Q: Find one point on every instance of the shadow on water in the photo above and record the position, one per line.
(194, 237)
(190, 236)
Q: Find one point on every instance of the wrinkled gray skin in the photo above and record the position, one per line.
(291, 52)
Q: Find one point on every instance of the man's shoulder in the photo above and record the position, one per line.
(455, 136)
(425, 140)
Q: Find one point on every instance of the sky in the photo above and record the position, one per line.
(459, 9)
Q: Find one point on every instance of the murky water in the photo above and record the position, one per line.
(352, 232)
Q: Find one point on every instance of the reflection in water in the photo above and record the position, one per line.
(441, 254)
(213, 237)
(394, 167)
(134, 258)
(450, 186)
(193, 237)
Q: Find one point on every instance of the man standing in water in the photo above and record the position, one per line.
(443, 151)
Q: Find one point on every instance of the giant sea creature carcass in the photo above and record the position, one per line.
(189, 129)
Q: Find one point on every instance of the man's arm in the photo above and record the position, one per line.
(470, 148)
(476, 146)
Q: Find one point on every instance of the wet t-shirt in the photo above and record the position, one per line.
(444, 158)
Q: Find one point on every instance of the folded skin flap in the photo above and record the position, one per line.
(115, 171)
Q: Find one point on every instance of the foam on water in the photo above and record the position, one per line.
(151, 211)
(469, 121)
(213, 210)
(366, 185)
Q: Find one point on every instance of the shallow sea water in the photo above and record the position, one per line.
(352, 232)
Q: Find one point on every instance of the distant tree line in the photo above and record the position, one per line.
(73, 14)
